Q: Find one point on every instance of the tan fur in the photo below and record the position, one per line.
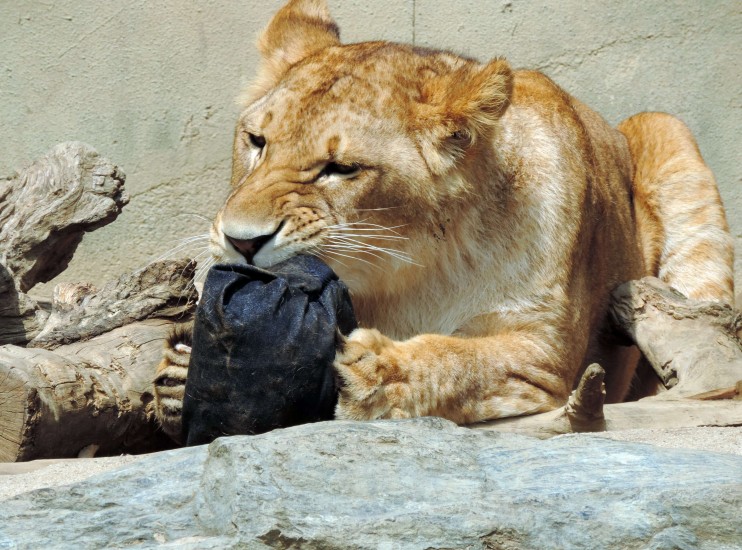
(681, 221)
(488, 219)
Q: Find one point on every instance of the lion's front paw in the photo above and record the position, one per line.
(170, 380)
(372, 378)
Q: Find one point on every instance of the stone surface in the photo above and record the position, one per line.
(722, 440)
(395, 484)
(152, 84)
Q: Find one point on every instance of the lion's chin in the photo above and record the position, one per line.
(270, 255)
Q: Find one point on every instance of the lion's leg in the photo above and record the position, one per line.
(680, 218)
(463, 379)
(170, 380)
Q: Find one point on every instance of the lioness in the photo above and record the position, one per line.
(479, 215)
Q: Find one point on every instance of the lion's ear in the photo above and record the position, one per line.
(299, 29)
(459, 107)
(479, 96)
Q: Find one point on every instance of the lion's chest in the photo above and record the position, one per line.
(404, 317)
(435, 306)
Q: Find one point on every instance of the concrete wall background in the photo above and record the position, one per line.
(151, 85)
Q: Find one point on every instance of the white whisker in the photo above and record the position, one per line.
(197, 241)
(354, 244)
(354, 249)
(352, 258)
(377, 209)
(192, 239)
(199, 216)
(356, 228)
(365, 226)
(323, 255)
(346, 233)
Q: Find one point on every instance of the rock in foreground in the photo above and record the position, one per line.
(406, 484)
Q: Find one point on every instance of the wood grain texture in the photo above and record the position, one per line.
(55, 404)
(693, 346)
(646, 413)
(45, 209)
(80, 311)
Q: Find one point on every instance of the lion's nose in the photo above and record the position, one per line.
(249, 247)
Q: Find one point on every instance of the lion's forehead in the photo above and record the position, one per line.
(352, 114)
(345, 98)
(358, 84)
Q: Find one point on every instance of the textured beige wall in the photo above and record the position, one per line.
(151, 85)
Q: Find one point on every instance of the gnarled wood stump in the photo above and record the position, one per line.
(692, 346)
(45, 209)
(80, 311)
(94, 391)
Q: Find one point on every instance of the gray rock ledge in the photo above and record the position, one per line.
(418, 484)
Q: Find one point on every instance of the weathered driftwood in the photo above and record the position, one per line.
(646, 413)
(692, 346)
(46, 208)
(80, 311)
(94, 394)
(82, 397)
(44, 211)
(584, 408)
(20, 316)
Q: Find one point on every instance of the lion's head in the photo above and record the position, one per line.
(356, 153)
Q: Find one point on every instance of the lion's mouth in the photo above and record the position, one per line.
(249, 248)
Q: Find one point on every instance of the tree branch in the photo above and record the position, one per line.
(692, 346)
(94, 394)
(79, 311)
(44, 211)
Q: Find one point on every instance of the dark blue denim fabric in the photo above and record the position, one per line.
(263, 347)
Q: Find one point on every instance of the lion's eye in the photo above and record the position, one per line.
(334, 168)
(256, 141)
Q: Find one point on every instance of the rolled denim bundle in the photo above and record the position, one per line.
(263, 348)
